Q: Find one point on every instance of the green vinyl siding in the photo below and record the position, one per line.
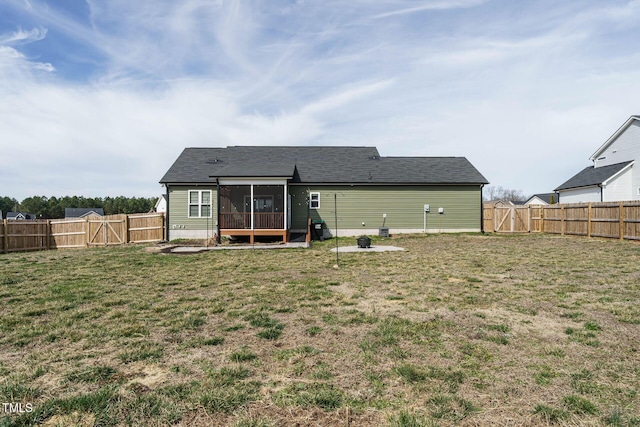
(179, 209)
(403, 206)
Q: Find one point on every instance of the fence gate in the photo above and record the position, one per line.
(511, 219)
(107, 231)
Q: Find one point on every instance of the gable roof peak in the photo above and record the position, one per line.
(613, 137)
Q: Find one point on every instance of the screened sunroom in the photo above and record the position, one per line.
(253, 209)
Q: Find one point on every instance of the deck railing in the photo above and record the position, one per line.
(261, 220)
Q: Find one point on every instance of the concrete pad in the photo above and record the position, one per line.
(198, 249)
(342, 249)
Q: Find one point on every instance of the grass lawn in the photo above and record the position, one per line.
(457, 330)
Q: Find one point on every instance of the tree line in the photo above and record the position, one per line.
(53, 207)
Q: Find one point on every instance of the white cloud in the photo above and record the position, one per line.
(333, 102)
(431, 5)
(126, 138)
(22, 36)
(507, 86)
(15, 66)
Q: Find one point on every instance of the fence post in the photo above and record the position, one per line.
(165, 228)
(47, 232)
(562, 223)
(88, 230)
(589, 213)
(5, 238)
(621, 215)
(541, 219)
(126, 229)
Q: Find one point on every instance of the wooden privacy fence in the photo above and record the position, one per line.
(616, 220)
(81, 232)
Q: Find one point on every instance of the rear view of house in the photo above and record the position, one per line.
(275, 191)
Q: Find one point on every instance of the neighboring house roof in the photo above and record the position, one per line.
(545, 197)
(82, 212)
(19, 215)
(613, 137)
(354, 165)
(590, 176)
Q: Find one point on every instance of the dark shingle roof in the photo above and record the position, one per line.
(592, 176)
(14, 215)
(319, 165)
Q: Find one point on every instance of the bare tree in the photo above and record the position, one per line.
(500, 193)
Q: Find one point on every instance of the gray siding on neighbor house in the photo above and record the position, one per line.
(403, 206)
(625, 148)
(179, 209)
(619, 188)
(581, 195)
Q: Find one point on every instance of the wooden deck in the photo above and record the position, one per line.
(236, 232)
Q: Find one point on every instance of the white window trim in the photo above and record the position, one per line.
(199, 203)
(311, 194)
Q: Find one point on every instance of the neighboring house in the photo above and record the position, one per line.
(613, 176)
(542, 199)
(20, 216)
(161, 204)
(82, 212)
(274, 191)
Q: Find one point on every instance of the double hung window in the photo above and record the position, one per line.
(199, 203)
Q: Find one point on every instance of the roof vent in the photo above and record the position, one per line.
(214, 161)
(374, 157)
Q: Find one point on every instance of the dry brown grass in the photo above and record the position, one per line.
(457, 330)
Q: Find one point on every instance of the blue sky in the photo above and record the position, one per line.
(99, 97)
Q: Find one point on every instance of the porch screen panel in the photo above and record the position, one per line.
(235, 206)
(268, 206)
